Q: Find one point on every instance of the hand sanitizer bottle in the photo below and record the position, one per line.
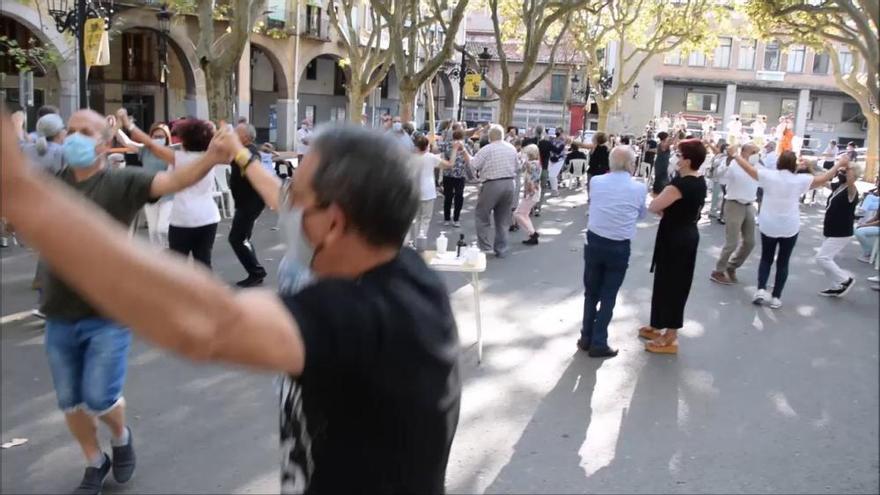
(442, 241)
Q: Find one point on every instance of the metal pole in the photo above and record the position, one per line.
(81, 43)
(462, 72)
(163, 45)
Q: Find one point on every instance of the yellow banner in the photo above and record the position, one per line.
(97, 43)
(472, 83)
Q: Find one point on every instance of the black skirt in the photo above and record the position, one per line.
(675, 256)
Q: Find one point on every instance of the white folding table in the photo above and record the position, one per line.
(474, 270)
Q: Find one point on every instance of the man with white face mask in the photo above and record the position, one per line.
(87, 350)
(739, 213)
(370, 347)
(303, 137)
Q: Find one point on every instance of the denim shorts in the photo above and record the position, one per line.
(88, 359)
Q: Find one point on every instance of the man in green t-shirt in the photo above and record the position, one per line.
(88, 352)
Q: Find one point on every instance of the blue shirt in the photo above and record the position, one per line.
(616, 203)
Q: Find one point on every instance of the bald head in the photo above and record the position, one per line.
(90, 123)
(749, 149)
(622, 159)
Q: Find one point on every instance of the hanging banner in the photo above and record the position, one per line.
(472, 83)
(97, 43)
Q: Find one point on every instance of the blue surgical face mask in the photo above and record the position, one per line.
(295, 270)
(79, 150)
(397, 126)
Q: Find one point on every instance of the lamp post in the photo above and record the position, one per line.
(461, 70)
(72, 19)
(164, 18)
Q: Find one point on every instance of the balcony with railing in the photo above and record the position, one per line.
(314, 24)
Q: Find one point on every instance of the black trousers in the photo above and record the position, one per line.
(240, 239)
(198, 241)
(453, 189)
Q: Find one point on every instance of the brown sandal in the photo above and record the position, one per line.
(649, 333)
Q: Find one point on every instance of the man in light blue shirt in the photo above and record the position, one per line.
(617, 201)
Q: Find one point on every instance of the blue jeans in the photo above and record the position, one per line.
(88, 359)
(605, 264)
(768, 252)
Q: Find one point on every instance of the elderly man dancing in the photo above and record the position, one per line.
(618, 201)
(497, 165)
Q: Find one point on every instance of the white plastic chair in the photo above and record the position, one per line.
(222, 191)
(579, 167)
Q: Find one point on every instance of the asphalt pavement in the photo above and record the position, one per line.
(756, 401)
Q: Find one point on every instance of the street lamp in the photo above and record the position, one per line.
(484, 56)
(72, 19)
(461, 70)
(164, 18)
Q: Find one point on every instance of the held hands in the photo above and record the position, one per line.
(122, 119)
(225, 145)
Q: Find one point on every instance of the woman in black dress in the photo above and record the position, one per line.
(675, 249)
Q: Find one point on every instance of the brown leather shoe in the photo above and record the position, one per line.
(720, 277)
(649, 333)
(731, 275)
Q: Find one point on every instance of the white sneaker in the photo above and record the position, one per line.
(864, 259)
(775, 303)
(760, 297)
(875, 279)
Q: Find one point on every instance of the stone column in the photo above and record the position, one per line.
(729, 106)
(658, 98)
(243, 78)
(803, 106)
(286, 114)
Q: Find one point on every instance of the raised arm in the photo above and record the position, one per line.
(669, 195)
(267, 184)
(184, 308)
(164, 153)
(821, 180)
(749, 169)
(127, 142)
(179, 178)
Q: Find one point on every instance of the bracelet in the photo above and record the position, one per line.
(243, 158)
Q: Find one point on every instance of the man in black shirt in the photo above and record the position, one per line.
(370, 347)
(248, 207)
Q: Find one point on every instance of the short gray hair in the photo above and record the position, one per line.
(365, 172)
(622, 159)
(496, 133)
(250, 130)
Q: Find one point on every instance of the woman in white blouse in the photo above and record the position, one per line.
(194, 214)
(779, 218)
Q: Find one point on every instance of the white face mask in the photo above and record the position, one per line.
(160, 141)
(755, 160)
(294, 272)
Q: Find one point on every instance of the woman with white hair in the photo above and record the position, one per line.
(45, 152)
(531, 192)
